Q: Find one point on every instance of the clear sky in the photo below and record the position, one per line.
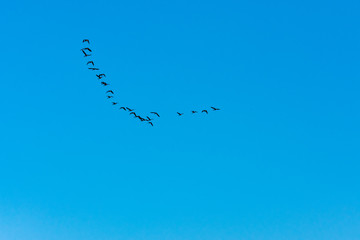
(280, 161)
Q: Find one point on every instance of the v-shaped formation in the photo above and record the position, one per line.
(110, 93)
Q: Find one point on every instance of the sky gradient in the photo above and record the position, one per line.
(279, 161)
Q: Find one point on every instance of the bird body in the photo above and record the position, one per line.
(215, 109)
(205, 111)
(194, 111)
(179, 113)
(110, 96)
(151, 123)
(109, 91)
(114, 103)
(85, 54)
(130, 109)
(104, 83)
(90, 62)
(86, 40)
(94, 69)
(123, 108)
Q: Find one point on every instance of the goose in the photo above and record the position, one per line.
(155, 113)
(85, 54)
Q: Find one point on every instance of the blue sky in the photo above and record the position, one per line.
(279, 161)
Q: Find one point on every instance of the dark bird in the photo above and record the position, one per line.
(114, 103)
(88, 49)
(100, 76)
(179, 113)
(155, 113)
(130, 109)
(104, 83)
(205, 111)
(86, 40)
(94, 69)
(141, 119)
(123, 108)
(85, 54)
(148, 119)
(90, 62)
(133, 113)
(109, 91)
(215, 109)
(194, 111)
(151, 123)
(109, 96)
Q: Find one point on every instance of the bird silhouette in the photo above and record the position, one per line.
(194, 111)
(109, 91)
(114, 103)
(151, 123)
(130, 109)
(133, 113)
(88, 49)
(141, 119)
(110, 96)
(215, 109)
(155, 113)
(100, 76)
(90, 62)
(205, 111)
(148, 119)
(85, 54)
(104, 83)
(123, 108)
(94, 69)
(179, 113)
(86, 40)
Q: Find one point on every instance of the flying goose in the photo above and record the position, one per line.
(88, 49)
(155, 113)
(85, 54)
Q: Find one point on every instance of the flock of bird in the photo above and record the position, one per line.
(110, 93)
